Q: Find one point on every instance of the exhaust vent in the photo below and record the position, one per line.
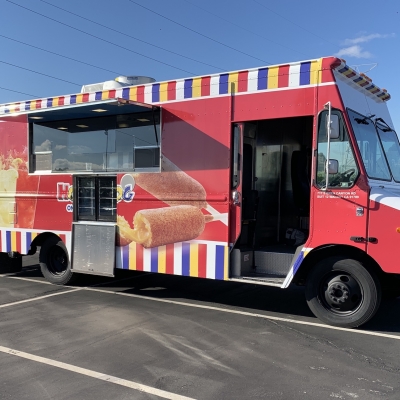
(120, 81)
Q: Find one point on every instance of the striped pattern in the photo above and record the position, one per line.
(350, 76)
(295, 267)
(203, 260)
(288, 76)
(20, 240)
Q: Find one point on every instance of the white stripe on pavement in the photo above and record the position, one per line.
(181, 303)
(249, 314)
(38, 298)
(97, 375)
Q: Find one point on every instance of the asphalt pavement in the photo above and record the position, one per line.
(152, 336)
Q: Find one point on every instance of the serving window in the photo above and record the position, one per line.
(127, 141)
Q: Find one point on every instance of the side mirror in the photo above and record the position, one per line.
(332, 126)
(333, 167)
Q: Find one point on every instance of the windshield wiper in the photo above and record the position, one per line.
(388, 129)
(363, 120)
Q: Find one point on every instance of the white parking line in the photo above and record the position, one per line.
(181, 303)
(249, 314)
(38, 298)
(97, 375)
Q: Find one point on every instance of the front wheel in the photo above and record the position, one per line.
(54, 262)
(342, 292)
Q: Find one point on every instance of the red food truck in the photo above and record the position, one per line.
(273, 175)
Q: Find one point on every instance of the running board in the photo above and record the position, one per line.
(260, 279)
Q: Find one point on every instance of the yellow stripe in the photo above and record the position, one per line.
(79, 98)
(194, 259)
(13, 241)
(133, 94)
(233, 82)
(132, 255)
(55, 101)
(164, 91)
(162, 259)
(273, 77)
(348, 72)
(33, 235)
(33, 105)
(196, 87)
(226, 255)
(104, 95)
(316, 72)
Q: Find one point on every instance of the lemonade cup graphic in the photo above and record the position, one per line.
(8, 189)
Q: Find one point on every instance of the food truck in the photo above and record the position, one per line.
(278, 175)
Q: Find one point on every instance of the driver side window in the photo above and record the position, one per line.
(341, 151)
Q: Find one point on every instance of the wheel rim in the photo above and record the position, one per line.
(57, 261)
(341, 293)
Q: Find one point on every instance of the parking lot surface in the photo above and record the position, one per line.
(152, 336)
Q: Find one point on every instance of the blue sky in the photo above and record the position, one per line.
(179, 38)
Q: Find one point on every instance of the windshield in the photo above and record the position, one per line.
(390, 144)
(370, 146)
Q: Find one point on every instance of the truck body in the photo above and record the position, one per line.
(273, 175)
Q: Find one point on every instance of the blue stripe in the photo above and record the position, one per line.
(50, 102)
(187, 88)
(28, 240)
(298, 262)
(155, 92)
(305, 73)
(370, 87)
(125, 257)
(125, 93)
(262, 81)
(186, 259)
(219, 262)
(343, 69)
(223, 83)
(27, 105)
(358, 79)
(8, 240)
(98, 96)
(72, 99)
(154, 259)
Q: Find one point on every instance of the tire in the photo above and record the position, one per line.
(342, 292)
(54, 262)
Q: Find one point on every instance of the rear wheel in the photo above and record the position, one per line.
(54, 262)
(342, 292)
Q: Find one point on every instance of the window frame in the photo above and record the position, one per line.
(97, 217)
(359, 150)
(343, 132)
(156, 125)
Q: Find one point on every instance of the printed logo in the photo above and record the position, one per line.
(125, 189)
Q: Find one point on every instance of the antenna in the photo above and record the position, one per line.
(357, 67)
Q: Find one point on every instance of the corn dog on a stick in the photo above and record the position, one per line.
(173, 186)
(161, 226)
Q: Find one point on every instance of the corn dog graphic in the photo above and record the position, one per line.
(160, 226)
(157, 227)
(175, 187)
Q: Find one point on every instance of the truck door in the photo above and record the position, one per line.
(94, 227)
(339, 209)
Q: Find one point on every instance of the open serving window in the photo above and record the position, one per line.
(111, 136)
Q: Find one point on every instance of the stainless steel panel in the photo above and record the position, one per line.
(273, 263)
(93, 249)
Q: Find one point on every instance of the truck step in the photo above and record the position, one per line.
(260, 279)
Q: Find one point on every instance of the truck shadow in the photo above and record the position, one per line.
(284, 303)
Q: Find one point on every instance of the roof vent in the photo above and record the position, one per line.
(120, 81)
